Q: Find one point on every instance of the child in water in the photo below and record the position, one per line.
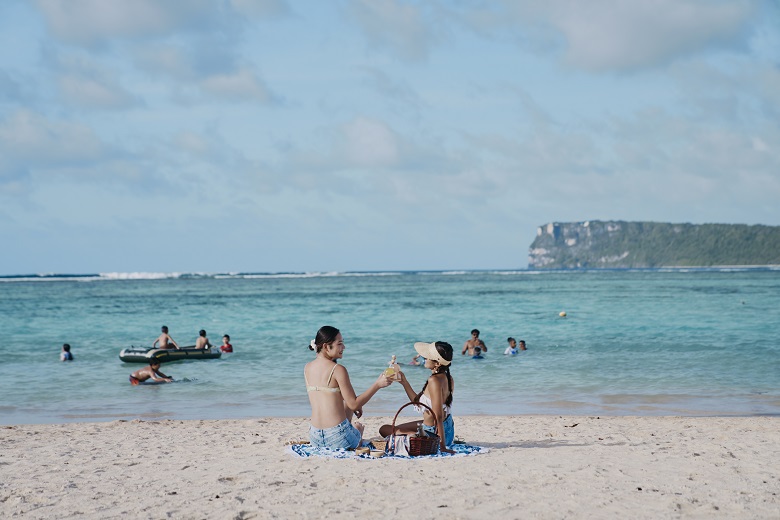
(226, 346)
(477, 353)
(65, 355)
(151, 372)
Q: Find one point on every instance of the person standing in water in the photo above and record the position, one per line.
(472, 343)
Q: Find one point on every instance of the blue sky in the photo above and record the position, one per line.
(273, 135)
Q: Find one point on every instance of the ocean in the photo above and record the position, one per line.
(633, 342)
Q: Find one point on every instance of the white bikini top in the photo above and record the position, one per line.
(424, 399)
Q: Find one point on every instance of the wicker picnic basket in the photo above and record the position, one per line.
(420, 445)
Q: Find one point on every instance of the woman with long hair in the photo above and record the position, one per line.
(333, 400)
(436, 394)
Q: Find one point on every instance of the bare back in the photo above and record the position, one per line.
(442, 385)
(327, 405)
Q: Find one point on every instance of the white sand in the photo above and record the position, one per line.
(538, 467)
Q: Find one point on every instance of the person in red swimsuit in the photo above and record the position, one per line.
(226, 346)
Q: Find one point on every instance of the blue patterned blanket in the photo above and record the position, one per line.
(307, 450)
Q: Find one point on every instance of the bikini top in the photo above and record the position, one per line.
(424, 399)
(325, 388)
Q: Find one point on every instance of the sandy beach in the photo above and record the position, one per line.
(537, 467)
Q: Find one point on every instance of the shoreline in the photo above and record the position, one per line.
(368, 416)
(544, 466)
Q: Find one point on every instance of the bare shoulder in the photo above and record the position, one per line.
(436, 380)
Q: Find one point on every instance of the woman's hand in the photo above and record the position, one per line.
(401, 377)
(383, 380)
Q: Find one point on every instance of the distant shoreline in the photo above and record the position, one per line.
(325, 274)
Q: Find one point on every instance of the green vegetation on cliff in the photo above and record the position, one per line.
(618, 244)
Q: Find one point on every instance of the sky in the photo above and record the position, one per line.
(218, 136)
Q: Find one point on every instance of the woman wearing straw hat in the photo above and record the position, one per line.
(436, 393)
(333, 400)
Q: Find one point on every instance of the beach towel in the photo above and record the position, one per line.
(307, 450)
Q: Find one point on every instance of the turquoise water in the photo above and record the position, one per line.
(677, 342)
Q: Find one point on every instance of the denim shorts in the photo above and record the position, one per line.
(343, 435)
(449, 430)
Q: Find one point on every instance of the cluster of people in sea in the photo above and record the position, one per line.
(163, 342)
(334, 401)
(475, 348)
(166, 341)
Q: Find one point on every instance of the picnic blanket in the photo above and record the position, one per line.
(307, 450)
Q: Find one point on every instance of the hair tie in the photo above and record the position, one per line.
(313, 345)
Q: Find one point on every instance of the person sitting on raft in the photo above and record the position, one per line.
(151, 372)
(333, 400)
(436, 393)
(165, 340)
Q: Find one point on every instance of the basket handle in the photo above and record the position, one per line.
(412, 403)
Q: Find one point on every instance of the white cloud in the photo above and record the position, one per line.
(370, 144)
(96, 22)
(603, 35)
(623, 34)
(261, 8)
(396, 26)
(93, 22)
(29, 140)
(167, 60)
(85, 82)
(241, 85)
(94, 93)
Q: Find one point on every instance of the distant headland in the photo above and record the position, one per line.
(619, 244)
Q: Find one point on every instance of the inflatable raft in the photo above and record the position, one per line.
(143, 355)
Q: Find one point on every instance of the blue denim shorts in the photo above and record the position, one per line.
(343, 435)
(449, 430)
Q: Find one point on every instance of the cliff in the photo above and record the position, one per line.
(618, 244)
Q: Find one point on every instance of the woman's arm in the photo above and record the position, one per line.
(410, 393)
(348, 393)
(437, 404)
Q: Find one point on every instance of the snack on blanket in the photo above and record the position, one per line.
(377, 454)
(362, 451)
(379, 443)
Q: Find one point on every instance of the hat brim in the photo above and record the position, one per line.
(428, 351)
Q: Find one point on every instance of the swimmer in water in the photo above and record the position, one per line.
(151, 372)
